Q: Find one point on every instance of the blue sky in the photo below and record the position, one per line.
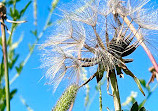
(41, 98)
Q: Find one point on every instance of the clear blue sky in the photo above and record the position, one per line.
(41, 98)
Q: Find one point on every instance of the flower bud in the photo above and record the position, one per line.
(67, 98)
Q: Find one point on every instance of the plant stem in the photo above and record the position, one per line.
(4, 47)
(115, 90)
(72, 104)
(149, 94)
(100, 96)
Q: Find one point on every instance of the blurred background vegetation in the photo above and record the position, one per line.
(14, 65)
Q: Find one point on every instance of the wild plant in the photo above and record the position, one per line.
(97, 34)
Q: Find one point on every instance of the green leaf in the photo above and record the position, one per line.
(12, 63)
(49, 24)
(11, 12)
(143, 83)
(24, 9)
(2, 99)
(10, 2)
(2, 93)
(1, 70)
(142, 103)
(16, 44)
(19, 69)
(9, 41)
(134, 107)
(10, 55)
(34, 33)
(142, 109)
(128, 72)
(12, 93)
(31, 47)
(100, 72)
(16, 14)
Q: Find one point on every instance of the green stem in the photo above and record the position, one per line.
(100, 96)
(54, 4)
(115, 90)
(149, 94)
(4, 47)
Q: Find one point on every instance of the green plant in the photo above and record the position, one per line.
(13, 55)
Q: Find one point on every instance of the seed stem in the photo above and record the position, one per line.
(115, 90)
(4, 47)
(100, 96)
(72, 104)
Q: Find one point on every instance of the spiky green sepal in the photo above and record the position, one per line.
(67, 98)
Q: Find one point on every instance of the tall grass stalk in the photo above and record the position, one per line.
(4, 47)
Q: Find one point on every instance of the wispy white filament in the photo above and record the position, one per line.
(82, 34)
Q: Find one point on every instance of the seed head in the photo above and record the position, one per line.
(94, 34)
(2, 10)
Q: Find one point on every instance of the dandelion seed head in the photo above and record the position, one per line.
(147, 19)
(61, 51)
(92, 35)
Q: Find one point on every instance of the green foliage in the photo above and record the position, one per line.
(3, 97)
(132, 97)
(24, 9)
(34, 32)
(13, 58)
(15, 14)
(144, 84)
(149, 91)
(19, 69)
(69, 95)
(11, 2)
(135, 107)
